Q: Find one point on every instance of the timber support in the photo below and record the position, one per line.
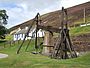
(63, 49)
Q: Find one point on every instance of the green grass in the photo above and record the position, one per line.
(28, 60)
(80, 30)
(75, 31)
(9, 37)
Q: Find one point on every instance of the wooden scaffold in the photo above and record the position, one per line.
(63, 48)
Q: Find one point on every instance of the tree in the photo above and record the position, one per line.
(2, 32)
(3, 21)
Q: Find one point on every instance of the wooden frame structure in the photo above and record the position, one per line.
(37, 21)
(63, 48)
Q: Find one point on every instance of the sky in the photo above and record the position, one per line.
(20, 11)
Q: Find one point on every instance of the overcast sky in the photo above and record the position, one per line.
(20, 11)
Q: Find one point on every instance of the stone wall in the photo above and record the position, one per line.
(48, 43)
(81, 42)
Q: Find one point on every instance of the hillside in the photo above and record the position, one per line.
(80, 30)
(75, 17)
(80, 37)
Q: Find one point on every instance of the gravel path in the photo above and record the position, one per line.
(3, 55)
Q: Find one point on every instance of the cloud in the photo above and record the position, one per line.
(22, 10)
(70, 3)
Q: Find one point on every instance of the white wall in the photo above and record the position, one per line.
(22, 36)
(14, 38)
(40, 33)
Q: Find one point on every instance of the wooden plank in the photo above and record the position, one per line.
(49, 28)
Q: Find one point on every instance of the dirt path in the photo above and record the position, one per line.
(3, 55)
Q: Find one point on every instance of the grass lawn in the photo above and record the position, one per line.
(28, 60)
(80, 30)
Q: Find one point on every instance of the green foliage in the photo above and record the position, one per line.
(79, 30)
(3, 21)
(2, 32)
(28, 60)
(3, 17)
(9, 37)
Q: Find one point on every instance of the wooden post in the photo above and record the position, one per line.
(26, 36)
(18, 41)
(36, 31)
(10, 43)
(84, 18)
(4, 44)
(14, 43)
(66, 18)
(62, 34)
(64, 45)
(62, 19)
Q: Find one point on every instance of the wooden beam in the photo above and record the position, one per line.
(84, 18)
(49, 28)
